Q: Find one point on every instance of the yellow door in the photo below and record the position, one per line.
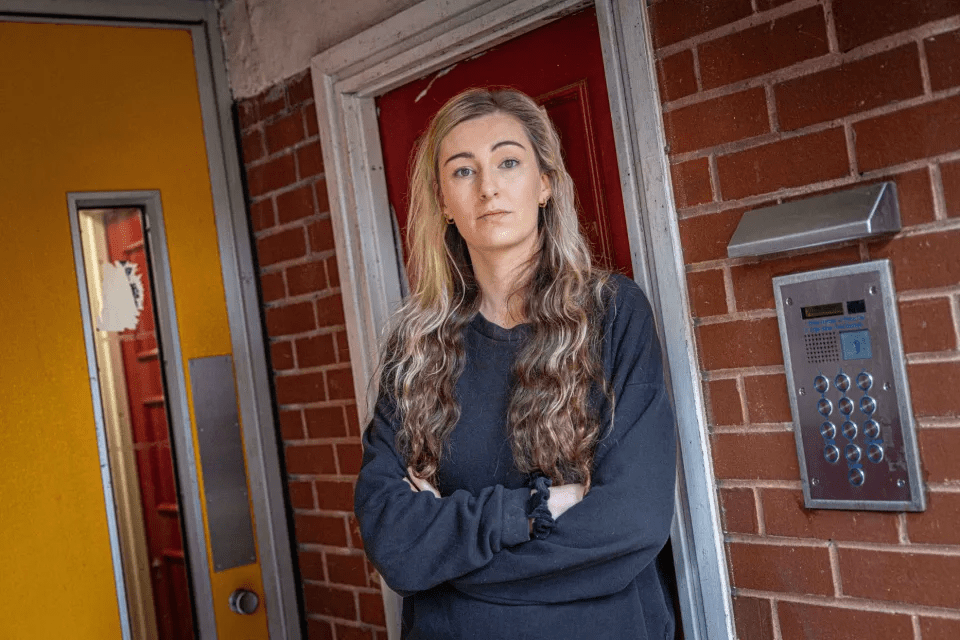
(87, 108)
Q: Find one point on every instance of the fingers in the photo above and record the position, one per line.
(419, 484)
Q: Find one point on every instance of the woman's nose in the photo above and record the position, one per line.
(488, 185)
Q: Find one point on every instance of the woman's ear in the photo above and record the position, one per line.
(545, 189)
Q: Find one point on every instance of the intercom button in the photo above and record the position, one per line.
(828, 430)
(849, 430)
(874, 453)
(864, 380)
(820, 384)
(824, 406)
(831, 453)
(842, 382)
(871, 429)
(857, 476)
(846, 405)
(852, 453)
(868, 405)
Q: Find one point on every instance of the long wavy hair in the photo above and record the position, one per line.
(554, 417)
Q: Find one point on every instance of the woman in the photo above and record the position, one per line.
(518, 474)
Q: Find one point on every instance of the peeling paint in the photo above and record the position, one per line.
(438, 74)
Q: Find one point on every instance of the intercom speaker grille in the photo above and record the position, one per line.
(821, 347)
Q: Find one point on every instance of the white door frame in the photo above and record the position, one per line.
(431, 36)
(265, 480)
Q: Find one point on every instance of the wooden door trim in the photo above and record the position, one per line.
(266, 481)
(431, 36)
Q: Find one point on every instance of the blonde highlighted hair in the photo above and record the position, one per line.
(553, 419)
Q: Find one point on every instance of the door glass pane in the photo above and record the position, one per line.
(129, 361)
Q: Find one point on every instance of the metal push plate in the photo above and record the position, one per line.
(848, 389)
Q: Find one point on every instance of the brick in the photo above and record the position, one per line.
(950, 177)
(915, 195)
(939, 452)
(927, 325)
(310, 459)
(691, 182)
(272, 101)
(271, 175)
(350, 456)
(676, 76)
(310, 160)
(353, 420)
(753, 282)
(718, 121)
(933, 387)
(724, 402)
(349, 632)
(860, 21)
(248, 113)
(853, 87)
(291, 425)
(943, 60)
(763, 48)
(940, 523)
(272, 287)
(706, 237)
(326, 422)
(371, 609)
(319, 629)
(707, 293)
(923, 131)
(329, 601)
(252, 144)
(767, 399)
(915, 578)
(284, 132)
(740, 343)
(739, 511)
(939, 628)
(320, 233)
(308, 277)
(300, 388)
(922, 261)
(785, 515)
(281, 355)
(335, 496)
(763, 5)
(311, 565)
(262, 215)
(736, 456)
(289, 319)
(316, 351)
(790, 162)
(310, 118)
(753, 618)
(349, 570)
(353, 527)
(779, 568)
(318, 529)
(301, 495)
(330, 310)
(300, 88)
(340, 384)
(277, 247)
(799, 620)
(295, 204)
(677, 20)
(323, 200)
(333, 272)
(343, 347)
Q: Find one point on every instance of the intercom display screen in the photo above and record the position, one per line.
(856, 345)
(822, 310)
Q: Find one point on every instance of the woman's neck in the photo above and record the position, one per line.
(501, 278)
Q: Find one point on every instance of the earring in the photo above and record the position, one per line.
(449, 220)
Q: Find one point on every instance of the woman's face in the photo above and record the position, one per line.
(490, 184)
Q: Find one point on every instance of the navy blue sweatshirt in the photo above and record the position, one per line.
(466, 563)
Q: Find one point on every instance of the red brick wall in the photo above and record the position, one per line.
(309, 357)
(767, 100)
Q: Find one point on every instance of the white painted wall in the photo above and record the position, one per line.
(267, 41)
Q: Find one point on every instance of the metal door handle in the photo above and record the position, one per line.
(244, 602)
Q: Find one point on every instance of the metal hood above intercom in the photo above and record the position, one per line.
(860, 212)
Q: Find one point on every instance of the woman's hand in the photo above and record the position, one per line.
(419, 484)
(564, 497)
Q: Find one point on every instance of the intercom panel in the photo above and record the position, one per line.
(848, 388)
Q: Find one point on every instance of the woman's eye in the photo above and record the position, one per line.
(462, 172)
(509, 163)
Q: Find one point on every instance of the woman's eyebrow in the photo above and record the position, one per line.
(470, 156)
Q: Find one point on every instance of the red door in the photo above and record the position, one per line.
(564, 77)
(560, 65)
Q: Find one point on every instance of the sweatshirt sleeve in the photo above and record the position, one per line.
(600, 545)
(417, 541)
